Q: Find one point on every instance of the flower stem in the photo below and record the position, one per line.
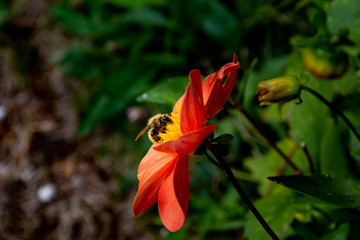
(243, 195)
(308, 157)
(272, 144)
(265, 135)
(334, 109)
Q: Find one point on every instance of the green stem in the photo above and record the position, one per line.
(272, 144)
(334, 109)
(265, 135)
(243, 195)
(308, 157)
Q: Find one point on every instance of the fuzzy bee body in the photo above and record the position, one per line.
(157, 124)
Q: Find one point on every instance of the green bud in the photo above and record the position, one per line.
(281, 89)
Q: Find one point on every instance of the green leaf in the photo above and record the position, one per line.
(219, 22)
(348, 84)
(145, 17)
(278, 210)
(271, 162)
(333, 152)
(344, 15)
(86, 63)
(310, 120)
(164, 59)
(229, 225)
(354, 30)
(93, 115)
(113, 95)
(136, 3)
(72, 20)
(335, 190)
(166, 92)
(341, 233)
(217, 214)
(355, 149)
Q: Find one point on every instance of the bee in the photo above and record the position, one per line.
(157, 124)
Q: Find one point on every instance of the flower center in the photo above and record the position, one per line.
(172, 130)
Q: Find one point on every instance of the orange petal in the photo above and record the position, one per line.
(208, 85)
(235, 58)
(215, 94)
(175, 109)
(154, 159)
(174, 196)
(192, 116)
(187, 143)
(218, 76)
(229, 83)
(149, 188)
(212, 94)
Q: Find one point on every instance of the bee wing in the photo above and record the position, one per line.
(142, 132)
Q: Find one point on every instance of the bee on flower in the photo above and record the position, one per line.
(163, 173)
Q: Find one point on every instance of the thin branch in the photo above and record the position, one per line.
(243, 195)
(308, 157)
(334, 109)
(271, 143)
(213, 161)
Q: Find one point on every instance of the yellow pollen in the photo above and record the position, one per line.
(173, 130)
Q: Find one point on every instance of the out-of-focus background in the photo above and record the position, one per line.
(80, 78)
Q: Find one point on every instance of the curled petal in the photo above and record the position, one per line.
(215, 94)
(192, 116)
(229, 83)
(210, 85)
(235, 58)
(174, 196)
(187, 143)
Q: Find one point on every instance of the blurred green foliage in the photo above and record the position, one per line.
(139, 52)
(130, 45)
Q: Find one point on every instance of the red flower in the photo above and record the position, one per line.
(164, 171)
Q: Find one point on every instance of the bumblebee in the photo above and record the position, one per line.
(157, 124)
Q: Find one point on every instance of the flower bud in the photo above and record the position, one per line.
(325, 64)
(281, 89)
